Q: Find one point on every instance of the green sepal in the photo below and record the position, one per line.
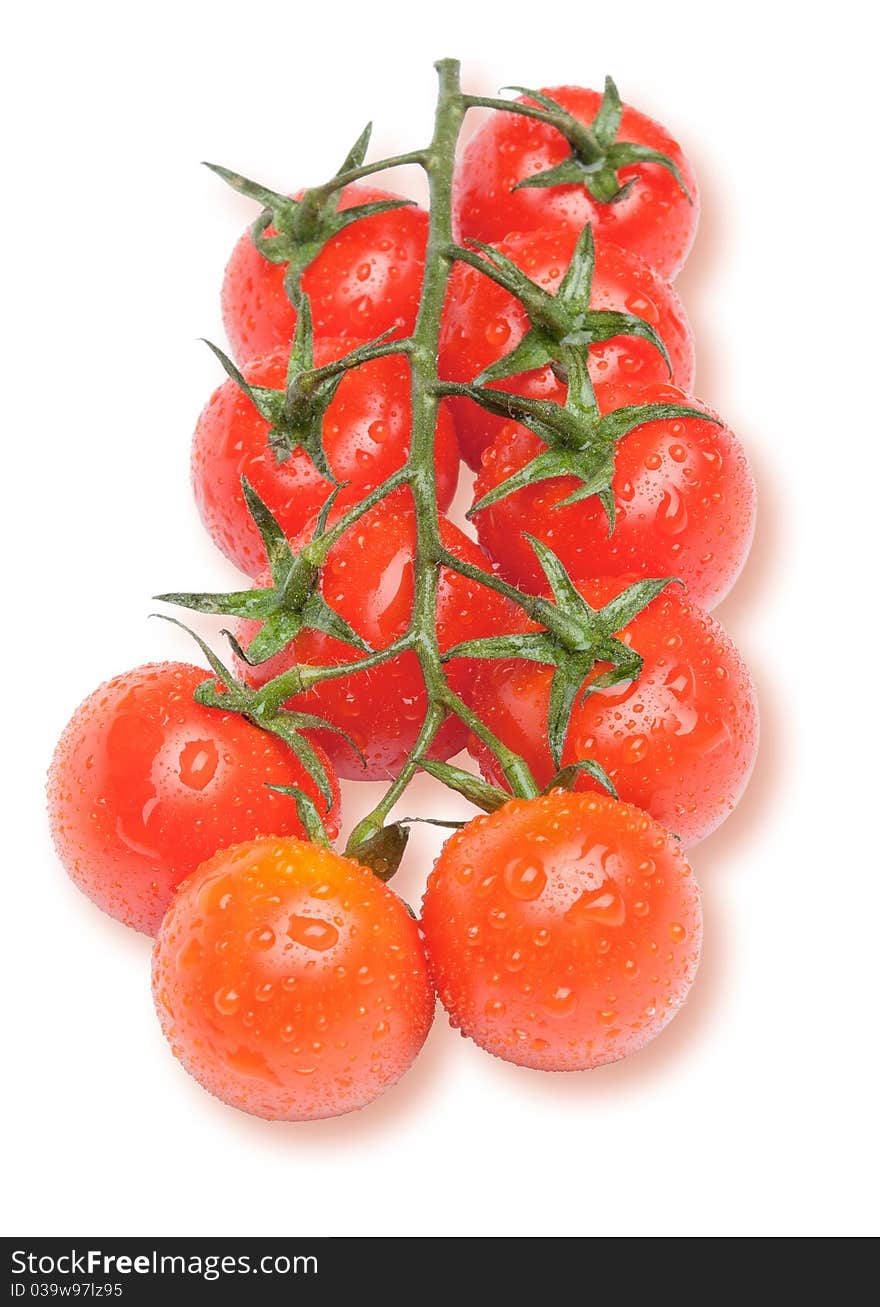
(382, 851)
(358, 151)
(240, 698)
(532, 646)
(307, 811)
(596, 154)
(576, 638)
(566, 777)
(478, 792)
(564, 689)
(594, 471)
(434, 821)
(288, 727)
(561, 319)
(583, 444)
(303, 226)
(290, 605)
(274, 201)
(536, 349)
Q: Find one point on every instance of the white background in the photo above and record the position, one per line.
(754, 1114)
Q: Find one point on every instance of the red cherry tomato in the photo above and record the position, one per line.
(562, 932)
(368, 580)
(680, 741)
(366, 436)
(145, 784)
(684, 496)
(365, 280)
(482, 322)
(655, 219)
(290, 982)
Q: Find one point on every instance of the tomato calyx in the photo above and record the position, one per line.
(576, 639)
(301, 227)
(292, 603)
(382, 850)
(227, 693)
(561, 319)
(596, 154)
(296, 413)
(581, 441)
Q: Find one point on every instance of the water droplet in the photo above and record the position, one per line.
(672, 515)
(561, 1003)
(603, 905)
(197, 763)
(498, 332)
(261, 937)
(524, 879)
(227, 1001)
(312, 933)
(635, 749)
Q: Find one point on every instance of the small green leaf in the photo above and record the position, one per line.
(222, 673)
(535, 350)
(576, 287)
(269, 199)
(345, 217)
(564, 688)
(358, 151)
(286, 727)
(570, 172)
(566, 777)
(596, 326)
(606, 124)
(533, 646)
(478, 792)
(546, 466)
(621, 421)
(627, 152)
(563, 589)
(621, 610)
(254, 604)
(317, 615)
(307, 811)
(268, 403)
(278, 550)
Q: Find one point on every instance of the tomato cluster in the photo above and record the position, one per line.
(569, 648)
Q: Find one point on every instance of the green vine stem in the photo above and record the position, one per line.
(562, 632)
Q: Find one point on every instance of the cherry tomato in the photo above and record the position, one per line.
(684, 496)
(365, 280)
(482, 322)
(366, 437)
(145, 784)
(680, 741)
(655, 219)
(290, 982)
(368, 580)
(562, 932)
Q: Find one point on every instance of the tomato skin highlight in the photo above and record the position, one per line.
(563, 932)
(679, 742)
(656, 220)
(366, 280)
(366, 435)
(145, 784)
(684, 494)
(482, 322)
(368, 579)
(290, 982)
